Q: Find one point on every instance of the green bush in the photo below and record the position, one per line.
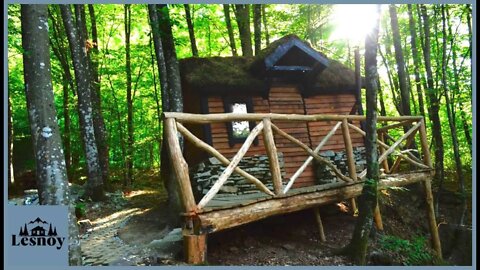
(414, 252)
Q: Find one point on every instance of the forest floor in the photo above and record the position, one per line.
(120, 231)
(125, 229)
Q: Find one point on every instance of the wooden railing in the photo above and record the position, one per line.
(174, 124)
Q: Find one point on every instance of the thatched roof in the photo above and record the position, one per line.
(246, 75)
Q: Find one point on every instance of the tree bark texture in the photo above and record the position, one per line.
(368, 199)
(128, 72)
(434, 101)
(265, 25)
(191, 32)
(51, 172)
(101, 134)
(242, 14)
(257, 27)
(228, 21)
(94, 188)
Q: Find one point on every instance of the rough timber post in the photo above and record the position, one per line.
(316, 211)
(195, 248)
(428, 192)
(382, 150)
(179, 166)
(272, 156)
(350, 158)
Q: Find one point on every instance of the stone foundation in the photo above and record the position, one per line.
(204, 175)
(325, 175)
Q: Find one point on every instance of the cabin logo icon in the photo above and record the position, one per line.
(38, 233)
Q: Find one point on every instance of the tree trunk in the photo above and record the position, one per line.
(242, 14)
(265, 25)
(128, 70)
(11, 178)
(94, 188)
(156, 96)
(191, 32)
(257, 27)
(66, 129)
(176, 105)
(433, 109)
(416, 60)
(402, 76)
(101, 134)
(450, 114)
(228, 21)
(51, 173)
(368, 198)
(383, 111)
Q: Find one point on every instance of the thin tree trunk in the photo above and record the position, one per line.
(433, 109)
(368, 198)
(101, 134)
(391, 81)
(158, 108)
(402, 76)
(416, 60)
(265, 25)
(450, 115)
(51, 173)
(94, 188)
(191, 31)
(242, 14)
(176, 105)
(128, 71)
(66, 129)
(257, 27)
(228, 21)
(383, 111)
(11, 178)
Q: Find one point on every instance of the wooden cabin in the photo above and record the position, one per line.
(288, 77)
(279, 133)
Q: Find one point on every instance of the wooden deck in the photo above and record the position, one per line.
(215, 212)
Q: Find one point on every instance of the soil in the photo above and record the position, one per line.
(290, 239)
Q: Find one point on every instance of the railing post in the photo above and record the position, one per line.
(382, 150)
(350, 157)
(428, 192)
(180, 166)
(272, 156)
(424, 141)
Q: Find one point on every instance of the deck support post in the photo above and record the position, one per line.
(428, 192)
(350, 159)
(377, 216)
(316, 211)
(272, 156)
(195, 248)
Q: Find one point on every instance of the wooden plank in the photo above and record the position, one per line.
(221, 219)
(228, 171)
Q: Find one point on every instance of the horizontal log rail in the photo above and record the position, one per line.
(174, 126)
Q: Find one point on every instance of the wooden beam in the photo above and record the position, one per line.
(423, 166)
(227, 218)
(377, 216)
(382, 150)
(352, 170)
(272, 156)
(180, 166)
(228, 117)
(401, 124)
(229, 170)
(310, 158)
(202, 145)
(316, 211)
(397, 143)
(312, 153)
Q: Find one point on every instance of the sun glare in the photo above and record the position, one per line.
(352, 22)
